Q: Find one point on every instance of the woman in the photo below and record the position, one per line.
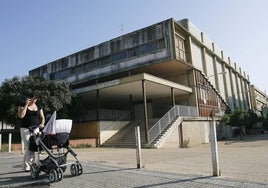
(32, 117)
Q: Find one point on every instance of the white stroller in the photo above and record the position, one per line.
(55, 136)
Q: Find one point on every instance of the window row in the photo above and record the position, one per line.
(144, 49)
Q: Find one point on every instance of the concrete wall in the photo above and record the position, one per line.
(172, 139)
(195, 133)
(94, 129)
(110, 128)
(85, 130)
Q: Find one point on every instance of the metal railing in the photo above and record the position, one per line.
(174, 112)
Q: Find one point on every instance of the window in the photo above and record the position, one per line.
(180, 48)
(104, 49)
(119, 55)
(149, 47)
(64, 63)
(162, 43)
(203, 95)
(78, 69)
(133, 52)
(115, 46)
(89, 53)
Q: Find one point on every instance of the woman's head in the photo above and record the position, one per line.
(32, 97)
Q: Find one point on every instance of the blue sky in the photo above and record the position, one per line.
(34, 33)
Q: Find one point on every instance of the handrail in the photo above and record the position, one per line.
(175, 111)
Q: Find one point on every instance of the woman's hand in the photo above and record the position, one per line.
(22, 109)
(27, 102)
(41, 126)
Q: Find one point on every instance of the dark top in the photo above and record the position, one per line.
(31, 118)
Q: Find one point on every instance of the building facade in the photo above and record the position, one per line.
(153, 68)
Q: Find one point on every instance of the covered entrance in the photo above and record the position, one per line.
(142, 96)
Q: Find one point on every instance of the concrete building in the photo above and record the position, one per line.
(143, 74)
(258, 99)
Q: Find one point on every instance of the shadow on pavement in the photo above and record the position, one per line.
(169, 183)
(18, 179)
(248, 138)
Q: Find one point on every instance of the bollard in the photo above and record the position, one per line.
(214, 149)
(138, 146)
(9, 142)
(0, 141)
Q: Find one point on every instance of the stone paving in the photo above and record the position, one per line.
(116, 168)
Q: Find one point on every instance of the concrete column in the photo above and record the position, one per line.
(238, 90)
(204, 62)
(172, 96)
(216, 73)
(243, 93)
(232, 86)
(98, 104)
(145, 111)
(131, 108)
(225, 82)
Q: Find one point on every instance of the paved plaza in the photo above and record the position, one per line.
(243, 163)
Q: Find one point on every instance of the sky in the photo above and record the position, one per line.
(34, 33)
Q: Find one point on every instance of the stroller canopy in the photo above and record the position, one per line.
(54, 126)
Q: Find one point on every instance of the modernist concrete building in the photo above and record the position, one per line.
(143, 74)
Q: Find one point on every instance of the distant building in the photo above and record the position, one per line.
(258, 99)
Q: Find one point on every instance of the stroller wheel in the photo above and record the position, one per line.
(34, 171)
(60, 174)
(52, 176)
(79, 168)
(74, 170)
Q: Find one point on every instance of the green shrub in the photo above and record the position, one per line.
(4, 148)
(83, 146)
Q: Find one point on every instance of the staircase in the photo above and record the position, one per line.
(158, 142)
(125, 138)
(158, 129)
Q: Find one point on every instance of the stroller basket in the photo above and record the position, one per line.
(48, 163)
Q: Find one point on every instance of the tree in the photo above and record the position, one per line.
(52, 95)
(247, 118)
(237, 118)
(250, 119)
